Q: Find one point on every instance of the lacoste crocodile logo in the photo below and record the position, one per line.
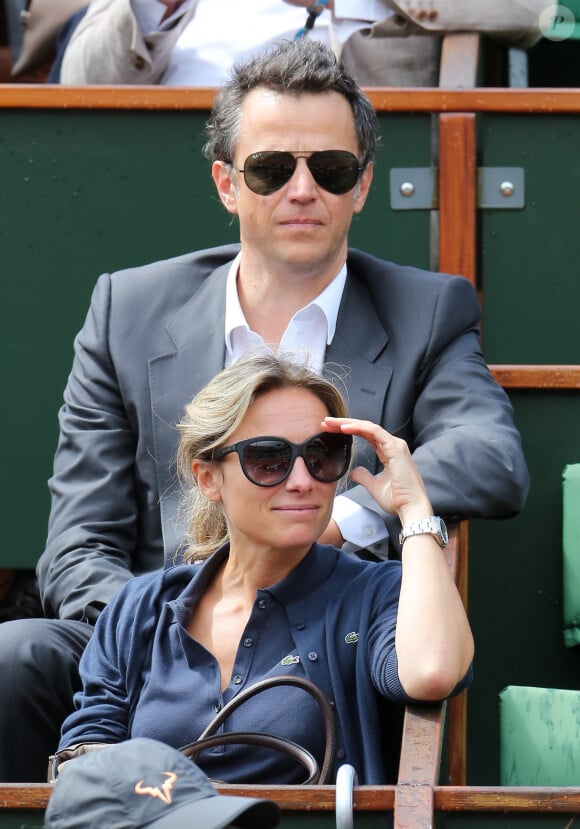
(290, 660)
(163, 793)
(351, 638)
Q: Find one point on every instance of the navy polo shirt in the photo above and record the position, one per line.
(192, 674)
(333, 618)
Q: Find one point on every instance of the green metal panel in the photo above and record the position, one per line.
(21, 819)
(529, 279)
(83, 192)
(515, 581)
(530, 275)
(400, 236)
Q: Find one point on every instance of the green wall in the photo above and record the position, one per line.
(530, 279)
(83, 192)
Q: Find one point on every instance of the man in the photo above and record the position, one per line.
(291, 140)
(194, 42)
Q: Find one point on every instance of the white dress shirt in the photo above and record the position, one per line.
(222, 32)
(305, 339)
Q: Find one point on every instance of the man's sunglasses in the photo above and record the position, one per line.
(267, 461)
(334, 170)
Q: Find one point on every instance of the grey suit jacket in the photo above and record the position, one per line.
(109, 48)
(406, 344)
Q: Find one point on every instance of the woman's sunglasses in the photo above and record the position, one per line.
(267, 461)
(334, 170)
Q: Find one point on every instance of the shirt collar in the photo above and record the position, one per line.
(309, 575)
(328, 301)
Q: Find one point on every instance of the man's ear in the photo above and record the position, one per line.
(209, 479)
(223, 174)
(363, 187)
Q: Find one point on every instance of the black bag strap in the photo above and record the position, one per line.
(316, 775)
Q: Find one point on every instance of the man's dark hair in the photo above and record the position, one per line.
(291, 67)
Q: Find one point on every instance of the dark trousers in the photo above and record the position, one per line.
(39, 675)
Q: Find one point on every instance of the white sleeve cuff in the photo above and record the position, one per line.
(367, 10)
(358, 525)
(148, 14)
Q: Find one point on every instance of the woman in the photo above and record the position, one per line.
(262, 450)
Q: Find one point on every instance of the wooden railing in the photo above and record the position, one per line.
(297, 801)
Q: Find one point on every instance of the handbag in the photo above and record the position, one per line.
(41, 22)
(316, 775)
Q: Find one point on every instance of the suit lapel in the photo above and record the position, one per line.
(359, 355)
(359, 351)
(197, 331)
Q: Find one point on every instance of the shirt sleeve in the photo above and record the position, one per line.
(359, 526)
(364, 10)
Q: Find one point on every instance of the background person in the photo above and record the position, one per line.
(398, 42)
(155, 335)
(193, 42)
(262, 450)
(382, 42)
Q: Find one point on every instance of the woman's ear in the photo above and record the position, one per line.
(209, 478)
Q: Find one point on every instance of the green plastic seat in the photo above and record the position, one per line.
(539, 736)
(571, 554)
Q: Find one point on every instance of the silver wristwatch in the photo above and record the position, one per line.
(426, 526)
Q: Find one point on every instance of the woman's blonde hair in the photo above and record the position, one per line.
(215, 414)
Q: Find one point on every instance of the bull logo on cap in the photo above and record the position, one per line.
(163, 793)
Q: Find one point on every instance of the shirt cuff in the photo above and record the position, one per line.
(358, 525)
(367, 10)
(148, 14)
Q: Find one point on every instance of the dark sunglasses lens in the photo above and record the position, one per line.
(266, 462)
(328, 456)
(334, 170)
(267, 172)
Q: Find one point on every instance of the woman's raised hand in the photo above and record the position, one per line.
(399, 488)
